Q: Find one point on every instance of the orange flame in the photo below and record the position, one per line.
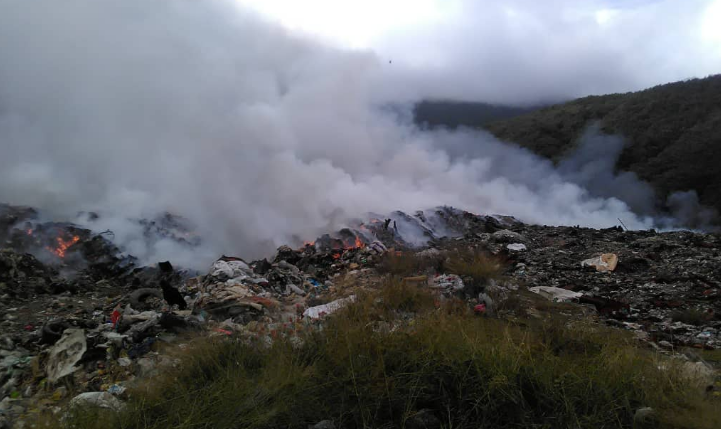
(309, 243)
(358, 243)
(63, 246)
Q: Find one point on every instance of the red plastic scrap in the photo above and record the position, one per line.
(479, 309)
(115, 316)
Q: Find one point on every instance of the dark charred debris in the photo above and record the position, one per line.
(68, 291)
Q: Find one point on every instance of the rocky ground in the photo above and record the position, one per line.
(82, 320)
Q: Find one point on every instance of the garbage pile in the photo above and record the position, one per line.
(665, 286)
(85, 322)
(82, 322)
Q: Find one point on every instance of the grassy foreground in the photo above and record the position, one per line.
(397, 352)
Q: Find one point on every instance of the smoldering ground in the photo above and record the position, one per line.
(132, 108)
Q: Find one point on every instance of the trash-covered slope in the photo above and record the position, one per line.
(94, 320)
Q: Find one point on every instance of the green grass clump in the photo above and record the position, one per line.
(467, 371)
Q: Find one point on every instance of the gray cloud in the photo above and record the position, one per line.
(525, 51)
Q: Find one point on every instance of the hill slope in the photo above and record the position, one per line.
(452, 114)
(673, 132)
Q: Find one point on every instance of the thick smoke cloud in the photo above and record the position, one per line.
(132, 108)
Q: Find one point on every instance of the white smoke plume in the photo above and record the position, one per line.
(132, 108)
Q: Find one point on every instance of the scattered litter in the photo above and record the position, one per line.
(323, 310)
(556, 294)
(115, 316)
(230, 269)
(448, 283)
(116, 390)
(66, 354)
(603, 263)
(516, 247)
(97, 399)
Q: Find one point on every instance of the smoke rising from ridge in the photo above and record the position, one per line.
(133, 108)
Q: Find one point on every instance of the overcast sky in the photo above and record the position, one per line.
(517, 51)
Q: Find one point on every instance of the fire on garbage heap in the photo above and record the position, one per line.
(74, 306)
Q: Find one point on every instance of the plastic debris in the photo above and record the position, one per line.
(378, 247)
(230, 269)
(66, 354)
(124, 362)
(115, 317)
(556, 294)
(517, 247)
(322, 310)
(116, 390)
(603, 263)
(97, 399)
(448, 283)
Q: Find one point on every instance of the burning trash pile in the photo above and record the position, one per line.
(79, 313)
(82, 322)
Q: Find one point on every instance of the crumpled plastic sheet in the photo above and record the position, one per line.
(556, 293)
(65, 354)
(97, 399)
(322, 310)
(602, 263)
(230, 269)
